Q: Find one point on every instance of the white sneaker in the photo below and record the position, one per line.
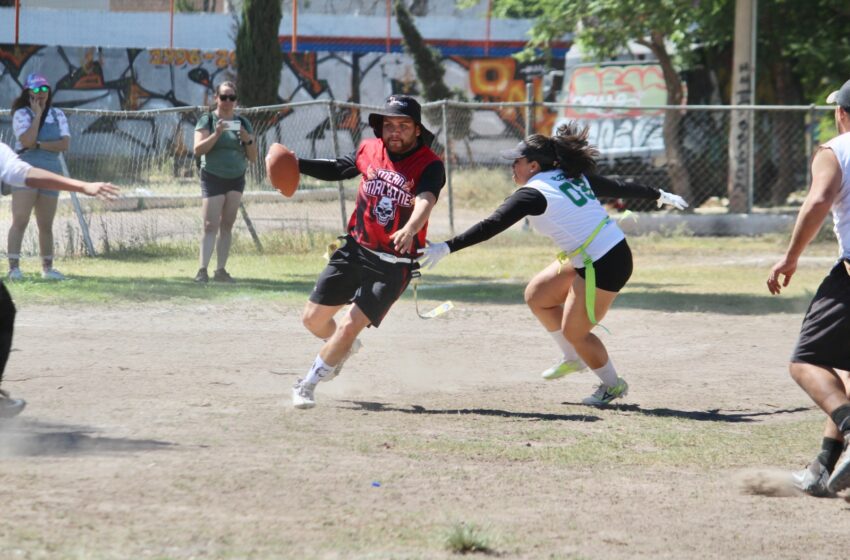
(52, 274)
(10, 407)
(355, 348)
(605, 394)
(302, 395)
(812, 480)
(15, 274)
(562, 368)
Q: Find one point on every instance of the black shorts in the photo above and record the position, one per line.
(353, 274)
(213, 185)
(613, 269)
(825, 334)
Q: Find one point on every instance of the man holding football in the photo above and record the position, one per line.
(401, 179)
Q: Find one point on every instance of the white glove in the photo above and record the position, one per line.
(433, 253)
(673, 200)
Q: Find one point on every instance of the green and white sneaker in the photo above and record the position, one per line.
(605, 394)
(562, 368)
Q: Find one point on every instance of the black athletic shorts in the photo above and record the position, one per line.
(613, 269)
(825, 334)
(213, 185)
(353, 274)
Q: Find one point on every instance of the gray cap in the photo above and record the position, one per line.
(840, 96)
(523, 150)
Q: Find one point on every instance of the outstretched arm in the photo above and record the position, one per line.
(826, 183)
(329, 169)
(606, 187)
(523, 202)
(43, 179)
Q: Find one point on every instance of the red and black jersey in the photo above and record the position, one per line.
(386, 195)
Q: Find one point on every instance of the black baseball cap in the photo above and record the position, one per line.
(400, 106)
(523, 150)
(840, 96)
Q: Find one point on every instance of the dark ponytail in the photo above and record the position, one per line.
(575, 156)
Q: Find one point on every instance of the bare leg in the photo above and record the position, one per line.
(319, 319)
(577, 326)
(822, 384)
(211, 214)
(45, 212)
(22, 204)
(547, 291)
(229, 212)
(338, 345)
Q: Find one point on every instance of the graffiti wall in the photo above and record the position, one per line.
(136, 79)
(630, 131)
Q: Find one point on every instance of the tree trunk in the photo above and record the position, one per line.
(676, 170)
(787, 128)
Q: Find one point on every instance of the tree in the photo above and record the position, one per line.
(258, 57)
(604, 28)
(803, 53)
(429, 70)
(426, 60)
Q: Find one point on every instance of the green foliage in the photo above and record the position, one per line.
(258, 56)
(464, 539)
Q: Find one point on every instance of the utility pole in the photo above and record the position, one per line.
(741, 129)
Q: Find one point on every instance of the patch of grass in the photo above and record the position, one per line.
(625, 435)
(482, 188)
(724, 275)
(463, 538)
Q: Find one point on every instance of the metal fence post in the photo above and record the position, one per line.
(340, 186)
(447, 157)
(529, 99)
(751, 160)
(78, 210)
(811, 126)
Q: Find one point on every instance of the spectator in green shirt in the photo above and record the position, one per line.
(225, 143)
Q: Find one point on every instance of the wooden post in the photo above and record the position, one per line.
(389, 23)
(294, 25)
(487, 33)
(171, 32)
(17, 19)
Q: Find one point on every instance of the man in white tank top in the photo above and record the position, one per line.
(820, 363)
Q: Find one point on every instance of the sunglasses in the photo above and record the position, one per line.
(227, 97)
(40, 89)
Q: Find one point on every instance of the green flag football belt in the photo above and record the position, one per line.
(590, 272)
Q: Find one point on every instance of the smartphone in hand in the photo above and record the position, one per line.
(235, 126)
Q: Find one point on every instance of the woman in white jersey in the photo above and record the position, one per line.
(558, 193)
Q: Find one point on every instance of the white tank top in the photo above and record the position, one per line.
(572, 213)
(840, 146)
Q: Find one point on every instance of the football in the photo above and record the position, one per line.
(282, 169)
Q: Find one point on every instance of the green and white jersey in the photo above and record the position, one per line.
(572, 214)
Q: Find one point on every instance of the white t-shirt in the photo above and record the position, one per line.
(840, 146)
(12, 170)
(572, 214)
(22, 120)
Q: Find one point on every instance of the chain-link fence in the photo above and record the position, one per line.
(149, 154)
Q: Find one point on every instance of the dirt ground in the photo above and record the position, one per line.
(165, 431)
